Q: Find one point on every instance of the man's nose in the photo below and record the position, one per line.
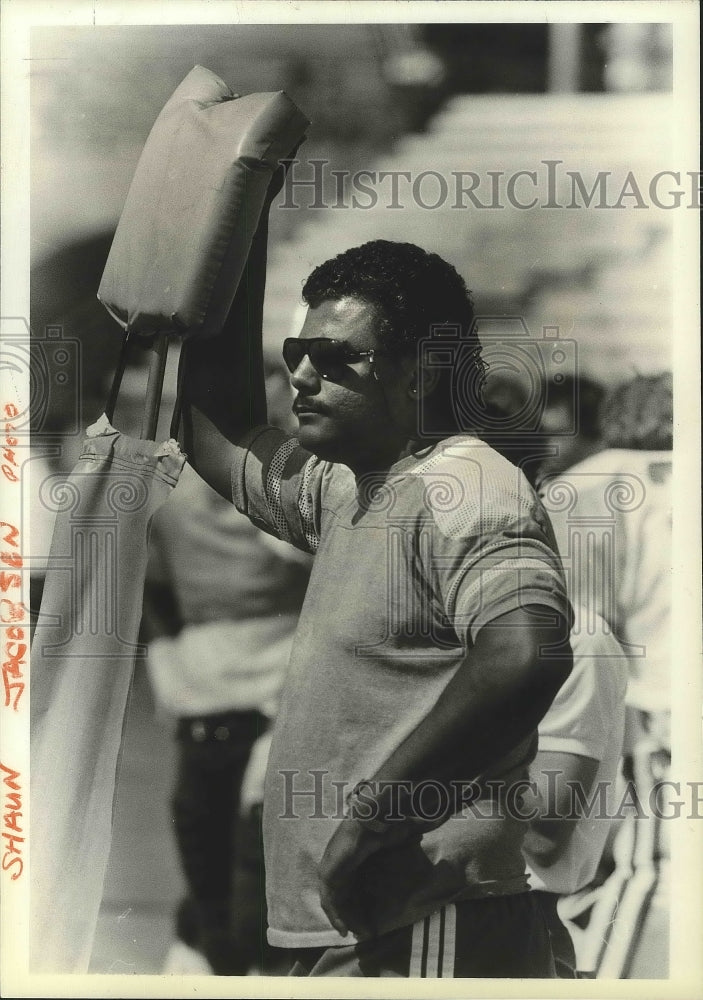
(305, 378)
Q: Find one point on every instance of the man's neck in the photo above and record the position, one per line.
(380, 466)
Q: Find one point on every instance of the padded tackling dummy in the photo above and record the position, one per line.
(82, 660)
(193, 206)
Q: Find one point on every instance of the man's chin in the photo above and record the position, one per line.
(315, 440)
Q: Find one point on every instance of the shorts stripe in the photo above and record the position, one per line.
(417, 949)
(442, 922)
(449, 949)
(433, 945)
(425, 945)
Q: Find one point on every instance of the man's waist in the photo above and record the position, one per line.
(308, 929)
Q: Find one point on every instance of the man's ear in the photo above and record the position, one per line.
(422, 382)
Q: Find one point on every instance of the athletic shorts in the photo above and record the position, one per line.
(494, 938)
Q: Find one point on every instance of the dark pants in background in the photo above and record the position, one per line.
(560, 939)
(221, 852)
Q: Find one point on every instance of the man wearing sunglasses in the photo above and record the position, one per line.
(433, 636)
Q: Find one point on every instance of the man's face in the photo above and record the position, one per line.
(355, 419)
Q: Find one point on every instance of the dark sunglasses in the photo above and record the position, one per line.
(329, 358)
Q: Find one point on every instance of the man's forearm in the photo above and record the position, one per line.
(555, 775)
(492, 703)
(223, 390)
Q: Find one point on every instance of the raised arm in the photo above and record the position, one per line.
(223, 391)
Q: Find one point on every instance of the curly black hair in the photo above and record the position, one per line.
(639, 414)
(415, 294)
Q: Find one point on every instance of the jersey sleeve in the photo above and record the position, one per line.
(279, 486)
(496, 545)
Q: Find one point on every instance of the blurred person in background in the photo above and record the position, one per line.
(617, 535)
(622, 491)
(570, 423)
(580, 747)
(221, 606)
(581, 735)
(568, 430)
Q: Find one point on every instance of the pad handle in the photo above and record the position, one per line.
(154, 387)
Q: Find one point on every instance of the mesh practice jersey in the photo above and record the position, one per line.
(409, 567)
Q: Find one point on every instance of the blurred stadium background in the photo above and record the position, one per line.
(453, 97)
(420, 97)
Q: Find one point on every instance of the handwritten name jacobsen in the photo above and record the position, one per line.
(12, 613)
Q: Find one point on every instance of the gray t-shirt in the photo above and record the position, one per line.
(408, 568)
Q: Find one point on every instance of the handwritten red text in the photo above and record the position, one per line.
(10, 466)
(12, 614)
(11, 826)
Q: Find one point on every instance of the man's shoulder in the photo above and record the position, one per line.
(467, 456)
(472, 489)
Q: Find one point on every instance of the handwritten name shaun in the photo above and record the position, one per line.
(11, 826)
